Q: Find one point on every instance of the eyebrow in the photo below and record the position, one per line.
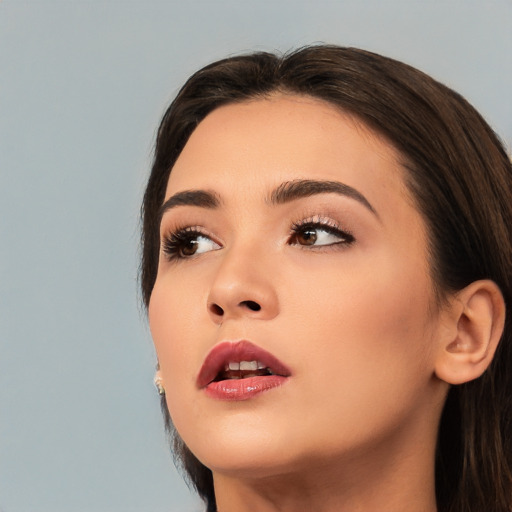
(284, 193)
(199, 198)
(297, 189)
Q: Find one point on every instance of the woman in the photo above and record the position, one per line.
(326, 262)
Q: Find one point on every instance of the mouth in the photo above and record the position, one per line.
(243, 370)
(239, 371)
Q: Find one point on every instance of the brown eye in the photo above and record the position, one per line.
(307, 236)
(189, 247)
(186, 243)
(318, 235)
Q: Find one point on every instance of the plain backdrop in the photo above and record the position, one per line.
(82, 87)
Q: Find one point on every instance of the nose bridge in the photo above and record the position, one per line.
(243, 284)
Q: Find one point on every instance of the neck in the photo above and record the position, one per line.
(382, 489)
(389, 478)
(303, 494)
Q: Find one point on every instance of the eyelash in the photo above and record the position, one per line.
(174, 244)
(318, 223)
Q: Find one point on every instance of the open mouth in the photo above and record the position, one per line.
(243, 370)
(241, 361)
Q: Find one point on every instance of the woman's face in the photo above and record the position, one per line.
(292, 312)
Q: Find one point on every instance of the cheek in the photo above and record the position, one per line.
(365, 345)
(366, 317)
(173, 320)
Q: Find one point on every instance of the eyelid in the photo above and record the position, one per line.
(173, 240)
(183, 228)
(320, 220)
(328, 224)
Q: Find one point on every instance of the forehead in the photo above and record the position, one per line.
(256, 145)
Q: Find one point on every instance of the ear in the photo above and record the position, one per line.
(475, 324)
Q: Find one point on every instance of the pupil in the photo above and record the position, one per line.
(308, 237)
(189, 247)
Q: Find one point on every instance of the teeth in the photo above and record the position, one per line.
(248, 365)
(245, 365)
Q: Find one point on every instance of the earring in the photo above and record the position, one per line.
(159, 384)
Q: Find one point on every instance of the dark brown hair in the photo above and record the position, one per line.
(461, 179)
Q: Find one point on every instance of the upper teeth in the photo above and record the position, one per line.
(245, 365)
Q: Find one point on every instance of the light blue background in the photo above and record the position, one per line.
(82, 87)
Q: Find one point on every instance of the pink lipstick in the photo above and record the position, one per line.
(239, 371)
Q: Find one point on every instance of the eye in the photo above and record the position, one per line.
(187, 242)
(319, 234)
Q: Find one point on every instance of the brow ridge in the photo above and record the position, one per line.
(298, 189)
(284, 193)
(200, 198)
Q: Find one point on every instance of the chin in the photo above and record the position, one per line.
(255, 463)
(240, 446)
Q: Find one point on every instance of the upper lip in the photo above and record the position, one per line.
(236, 351)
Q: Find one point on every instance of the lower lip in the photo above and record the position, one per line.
(243, 389)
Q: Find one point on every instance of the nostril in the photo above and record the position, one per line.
(253, 306)
(216, 310)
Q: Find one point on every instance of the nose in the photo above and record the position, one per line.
(243, 287)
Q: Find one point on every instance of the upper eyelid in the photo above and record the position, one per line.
(168, 231)
(195, 230)
(327, 224)
(320, 220)
(172, 240)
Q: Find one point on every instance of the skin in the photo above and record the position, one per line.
(354, 427)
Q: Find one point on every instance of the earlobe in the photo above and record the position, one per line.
(159, 382)
(477, 317)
